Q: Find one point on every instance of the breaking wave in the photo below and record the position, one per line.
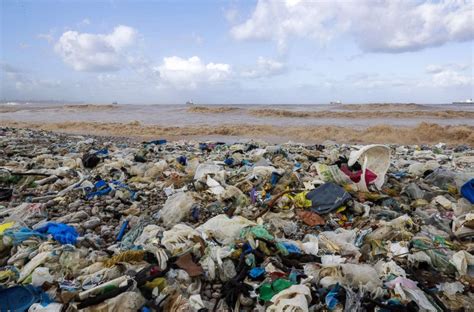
(212, 110)
(424, 133)
(446, 114)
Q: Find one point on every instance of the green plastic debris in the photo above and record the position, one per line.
(257, 231)
(439, 260)
(267, 290)
(282, 249)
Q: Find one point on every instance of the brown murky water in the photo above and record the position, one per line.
(383, 123)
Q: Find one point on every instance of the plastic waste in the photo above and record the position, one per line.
(129, 301)
(451, 288)
(331, 260)
(214, 186)
(36, 261)
(123, 228)
(268, 290)
(441, 178)
(464, 263)
(414, 191)
(90, 160)
(195, 301)
(417, 169)
(6, 226)
(257, 272)
(327, 198)
(375, 158)
(205, 169)
(179, 238)
(467, 190)
(20, 298)
(224, 229)
(176, 208)
(216, 226)
(51, 307)
(310, 244)
(63, 233)
(40, 276)
(294, 298)
(339, 241)
(5, 194)
(408, 290)
(361, 276)
(331, 298)
(20, 235)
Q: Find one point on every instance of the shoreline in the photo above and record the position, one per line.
(423, 133)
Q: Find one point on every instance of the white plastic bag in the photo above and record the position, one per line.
(204, 169)
(176, 208)
(40, 276)
(293, 299)
(462, 260)
(51, 307)
(223, 228)
(179, 238)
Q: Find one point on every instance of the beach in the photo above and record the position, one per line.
(97, 222)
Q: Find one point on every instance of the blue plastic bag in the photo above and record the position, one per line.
(331, 300)
(20, 298)
(292, 248)
(100, 188)
(63, 233)
(467, 191)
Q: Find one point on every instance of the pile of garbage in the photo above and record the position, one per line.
(109, 224)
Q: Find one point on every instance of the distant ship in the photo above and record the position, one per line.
(469, 101)
(190, 102)
(335, 102)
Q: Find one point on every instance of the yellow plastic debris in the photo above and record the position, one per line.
(301, 201)
(127, 256)
(159, 282)
(6, 226)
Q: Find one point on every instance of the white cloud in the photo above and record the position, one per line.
(189, 73)
(433, 68)
(95, 52)
(377, 26)
(7, 68)
(265, 68)
(106, 77)
(197, 39)
(449, 75)
(24, 81)
(231, 15)
(374, 81)
(48, 37)
(84, 22)
(451, 78)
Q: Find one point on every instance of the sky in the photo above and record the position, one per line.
(232, 52)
